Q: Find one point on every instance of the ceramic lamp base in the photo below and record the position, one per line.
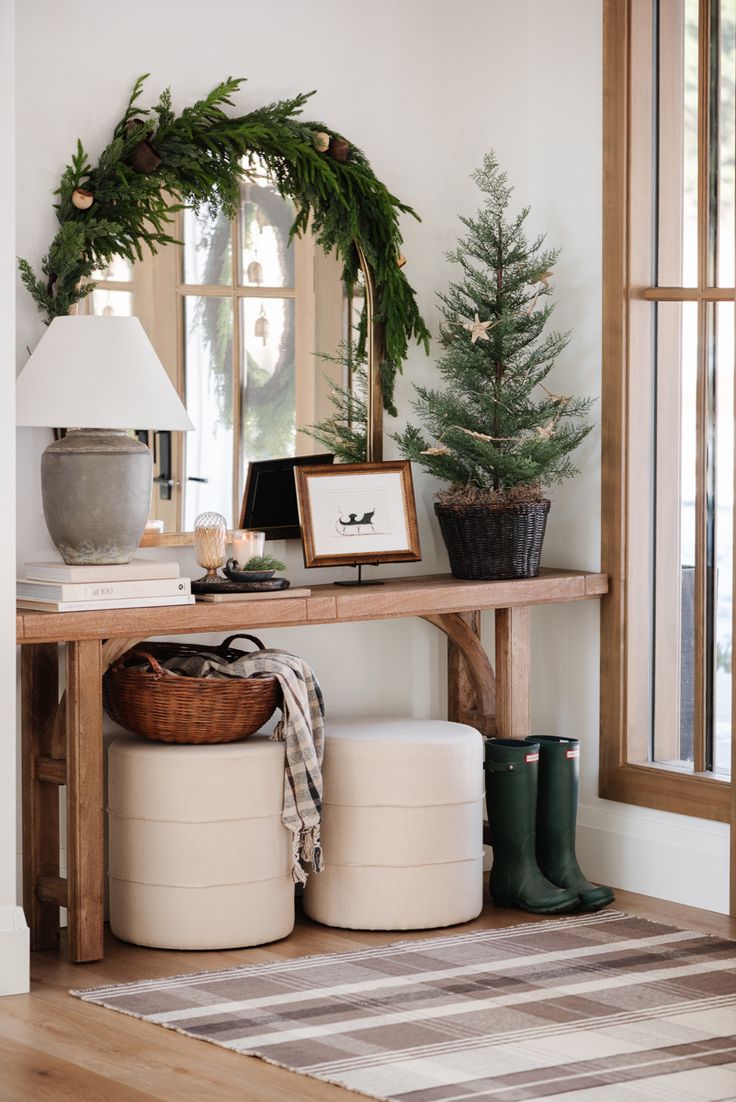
(96, 489)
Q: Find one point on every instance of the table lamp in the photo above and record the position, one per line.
(96, 481)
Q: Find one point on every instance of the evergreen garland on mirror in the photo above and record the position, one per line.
(158, 162)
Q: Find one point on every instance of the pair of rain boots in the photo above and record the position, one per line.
(532, 801)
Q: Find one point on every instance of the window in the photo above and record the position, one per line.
(668, 403)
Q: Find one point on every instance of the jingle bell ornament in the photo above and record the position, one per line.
(255, 272)
(82, 199)
(143, 157)
(339, 149)
(261, 326)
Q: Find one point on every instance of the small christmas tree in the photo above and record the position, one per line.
(499, 434)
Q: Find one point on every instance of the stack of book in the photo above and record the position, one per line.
(56, 587)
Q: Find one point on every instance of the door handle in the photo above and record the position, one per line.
(163, 480)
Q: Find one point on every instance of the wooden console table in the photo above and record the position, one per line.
(62, 739)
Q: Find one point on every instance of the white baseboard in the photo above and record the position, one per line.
(654, 853)
(14, 951)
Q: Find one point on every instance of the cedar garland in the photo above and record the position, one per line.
(158, 162)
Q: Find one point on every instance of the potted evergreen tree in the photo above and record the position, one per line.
(499, 435)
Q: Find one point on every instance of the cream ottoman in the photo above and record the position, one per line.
(402, 826)
(198, 857)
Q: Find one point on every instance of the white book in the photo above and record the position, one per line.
(134, 571)
(101, 591)
(89, 606)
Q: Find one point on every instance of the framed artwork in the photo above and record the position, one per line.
(269, 502)
(356, 513)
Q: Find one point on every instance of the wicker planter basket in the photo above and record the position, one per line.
(154, 704)
(486, 542)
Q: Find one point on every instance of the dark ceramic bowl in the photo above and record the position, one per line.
(246, 575)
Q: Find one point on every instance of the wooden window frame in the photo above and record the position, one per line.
(312, 269)
(625, 297)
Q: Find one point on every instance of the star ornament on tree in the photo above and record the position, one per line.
(478, 329)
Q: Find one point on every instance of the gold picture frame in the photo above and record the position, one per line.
(354, 514)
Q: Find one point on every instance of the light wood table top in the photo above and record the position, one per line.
(419, 595)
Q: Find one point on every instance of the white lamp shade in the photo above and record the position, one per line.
(92, 372)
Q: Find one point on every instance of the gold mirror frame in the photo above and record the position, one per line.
(374, 355)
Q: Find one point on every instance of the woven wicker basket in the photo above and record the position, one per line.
(490, 543)
(154, 704)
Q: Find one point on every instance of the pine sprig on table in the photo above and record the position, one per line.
(263, 562)
(495, 430)
(204, 152)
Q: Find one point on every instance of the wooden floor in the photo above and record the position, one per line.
(54, 1047)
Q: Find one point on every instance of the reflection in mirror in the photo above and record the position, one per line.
(242, 319)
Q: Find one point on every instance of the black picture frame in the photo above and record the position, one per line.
(270, 502)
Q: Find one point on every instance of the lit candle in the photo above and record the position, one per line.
(247, 544)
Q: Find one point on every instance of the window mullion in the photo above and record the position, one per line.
(238, 365)
(704, 541)
(704, 144)
(703, 429)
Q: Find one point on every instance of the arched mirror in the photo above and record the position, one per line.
(259, 333)
(256, 328)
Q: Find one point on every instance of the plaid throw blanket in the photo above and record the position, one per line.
(301, 727)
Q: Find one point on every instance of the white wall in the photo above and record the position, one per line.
(13, 929)
(425, 88)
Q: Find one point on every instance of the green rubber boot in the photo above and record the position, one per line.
(511, 796)
(557, 810)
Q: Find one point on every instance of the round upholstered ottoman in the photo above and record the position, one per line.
(199, 857)
(402, 826)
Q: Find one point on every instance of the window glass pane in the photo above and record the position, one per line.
(207, 249)
(722, 612)
(119, 270)
(677, 142)
(674, 566)
(269, 399)
(106, 303)
(267, 257)
(726, 139)
(208, 337)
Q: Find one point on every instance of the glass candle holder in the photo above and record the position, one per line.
(247, 544)
(210, 542)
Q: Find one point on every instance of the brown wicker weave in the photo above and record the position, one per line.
(488, 543)
(166, 708)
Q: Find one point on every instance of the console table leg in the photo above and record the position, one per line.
(463, 705)
(85, 811)
(512, 672)
(471, 688)
(460, 690)
(39, 671)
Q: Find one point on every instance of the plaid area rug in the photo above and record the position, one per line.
(590, 1008)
